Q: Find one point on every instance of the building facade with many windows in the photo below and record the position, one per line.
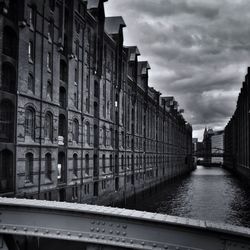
(78, 121)
(237, 134)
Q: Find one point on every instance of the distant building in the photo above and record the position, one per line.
(207, 147)
(217, 146)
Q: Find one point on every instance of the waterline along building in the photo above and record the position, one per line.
(78, 120)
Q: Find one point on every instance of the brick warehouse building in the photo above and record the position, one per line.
(78, 121)
(237, 134)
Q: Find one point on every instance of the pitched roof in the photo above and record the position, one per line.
(113, 24)
(93, 4)
(133, 52)
(143, 67)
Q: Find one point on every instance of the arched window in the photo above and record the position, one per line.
(62, 125)
(103, 164)
(51, 30)
(61, 176)
(32, 17)
(31, 51)
(31, 85)
(77, 49)
(48, 126)
(30, 122)
(96, 89)
(76, 131)
(75, 165)
(63, 71)
(111, 137)
(87, 132)
(48, 166)
(6, 170)
(6, 121)
(122, 162)
(49, 90)
(10, 42)
(8, 81)
(123, 139)
(104, 136)
(87, 164)
(62, 97)
(111, 163)
(29, 167)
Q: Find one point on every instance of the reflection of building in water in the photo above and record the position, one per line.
(78, 120)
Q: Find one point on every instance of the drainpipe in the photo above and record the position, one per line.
(41, 107)
(82, 119)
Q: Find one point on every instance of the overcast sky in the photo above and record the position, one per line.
(198, 50)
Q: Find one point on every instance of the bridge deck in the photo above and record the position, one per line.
(116, 227)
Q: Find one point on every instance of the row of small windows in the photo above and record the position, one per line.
(29, 165)
(48, 126)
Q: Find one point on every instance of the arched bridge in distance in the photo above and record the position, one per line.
(214, 152)
(40, 225)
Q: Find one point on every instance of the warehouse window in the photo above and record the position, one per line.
(29, 167)
(30, 122)
(48, 126)
(48, 166)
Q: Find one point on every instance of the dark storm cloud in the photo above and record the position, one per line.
(198, 50)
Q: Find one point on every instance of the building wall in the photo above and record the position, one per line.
(236, 138)
(217, 144)
(75, 106)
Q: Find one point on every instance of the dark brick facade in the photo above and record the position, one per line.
(237, 134)
(78, 121)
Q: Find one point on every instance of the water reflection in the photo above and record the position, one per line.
(207, 194)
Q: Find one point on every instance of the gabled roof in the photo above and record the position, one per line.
(113, 24)
(133, 52)
(94, 4)
(143, 67)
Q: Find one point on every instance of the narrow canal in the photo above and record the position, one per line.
(207, 194)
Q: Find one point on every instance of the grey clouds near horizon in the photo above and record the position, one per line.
(198, 51)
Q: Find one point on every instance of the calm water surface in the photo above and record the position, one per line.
(207, 194)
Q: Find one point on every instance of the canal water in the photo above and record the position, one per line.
(207, 194)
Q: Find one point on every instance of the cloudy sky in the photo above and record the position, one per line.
(198, 50)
